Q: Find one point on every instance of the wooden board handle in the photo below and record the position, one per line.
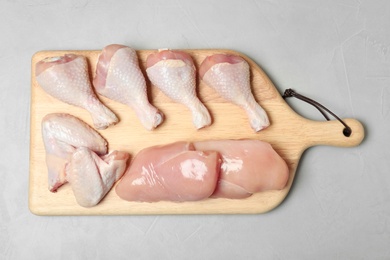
(331, 133)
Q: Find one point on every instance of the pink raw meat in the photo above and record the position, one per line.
(248, 166)
(182, 171)
(174, 172)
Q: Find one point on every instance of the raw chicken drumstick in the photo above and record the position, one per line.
(174, 73)
(66, 78)
(229, 76)
(119, 77)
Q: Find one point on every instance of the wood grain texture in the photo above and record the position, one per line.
(289, 134)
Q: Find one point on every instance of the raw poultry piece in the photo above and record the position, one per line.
(174, 73)
(91, 176)
(119, 77)
(248, 166)
(183, 171)
(229, 76)
(173, 172)
(66, 78)
(62, 134)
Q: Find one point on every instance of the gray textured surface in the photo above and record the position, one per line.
(337, 52)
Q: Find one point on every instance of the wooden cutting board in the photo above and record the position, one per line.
(289, 134)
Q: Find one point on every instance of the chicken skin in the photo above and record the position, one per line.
(119, 77)
(229, 76)
(174, 73)
(66, 78)
(91, 176)
(62, 134)
(77, 154)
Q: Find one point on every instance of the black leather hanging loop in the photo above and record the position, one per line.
(347, 131)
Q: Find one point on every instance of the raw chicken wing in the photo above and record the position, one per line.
(173, 72)
(62, 134)
(248, 166)
(174, 172)
(229, 76)
(66, 78)
(119, 77)
(91, 176)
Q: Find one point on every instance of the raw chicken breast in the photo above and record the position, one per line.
(174, 73)
(119, 77)
(91, 176)
(229, 76)
(174, 172)
(248, 166)
(66, 78)
(62, 134)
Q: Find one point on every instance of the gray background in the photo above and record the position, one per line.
(335, 51)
